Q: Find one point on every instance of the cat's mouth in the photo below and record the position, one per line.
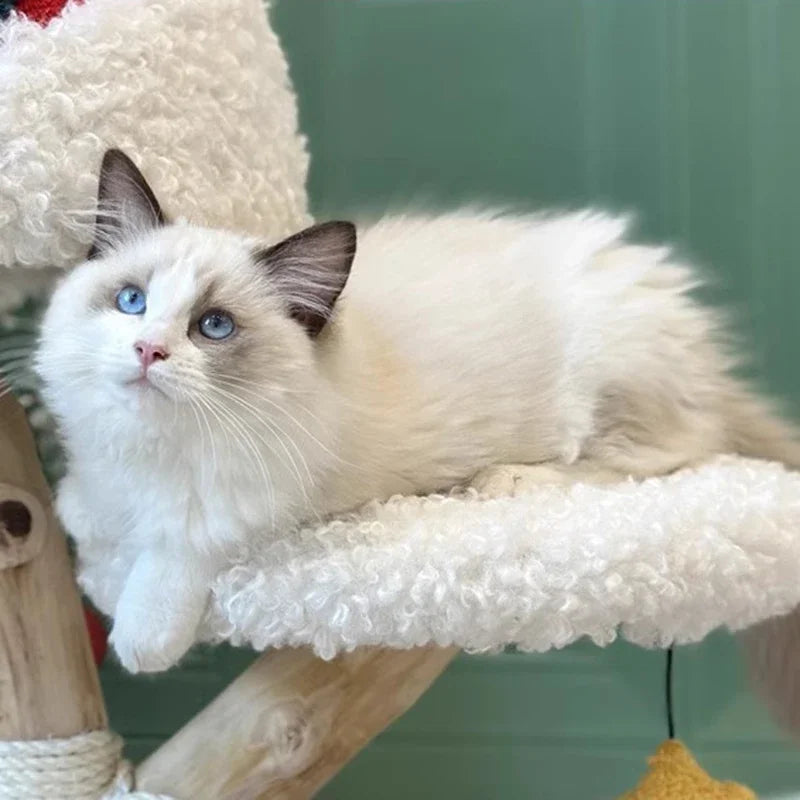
(142, 383)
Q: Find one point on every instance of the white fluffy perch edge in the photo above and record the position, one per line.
(663, 561)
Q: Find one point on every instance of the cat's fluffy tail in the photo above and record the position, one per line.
(772, 648)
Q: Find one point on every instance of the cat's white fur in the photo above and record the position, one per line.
(460, 342)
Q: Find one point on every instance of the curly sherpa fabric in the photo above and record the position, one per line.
(197, 91)
(663, 561)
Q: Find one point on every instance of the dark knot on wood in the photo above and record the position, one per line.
(16, 519)
(23, 525)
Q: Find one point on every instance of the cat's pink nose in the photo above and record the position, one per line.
(149, 353)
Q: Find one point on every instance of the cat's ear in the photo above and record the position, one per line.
(310, 269)
(125, 203)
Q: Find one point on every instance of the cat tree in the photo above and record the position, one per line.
(667, 560)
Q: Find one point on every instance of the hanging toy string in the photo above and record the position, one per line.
(668, 690)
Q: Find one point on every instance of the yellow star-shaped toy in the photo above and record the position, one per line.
(675, 775)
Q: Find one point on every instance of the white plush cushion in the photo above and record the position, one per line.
(667, 560)
(197, 91)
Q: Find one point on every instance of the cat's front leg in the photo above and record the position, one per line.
(159, 611)
(102, 569)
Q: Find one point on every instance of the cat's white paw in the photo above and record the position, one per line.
(510, 480)
(149, 644)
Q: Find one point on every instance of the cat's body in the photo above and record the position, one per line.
(472, 339)
(458, 343)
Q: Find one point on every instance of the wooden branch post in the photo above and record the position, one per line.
(48, 682)
(289, 724)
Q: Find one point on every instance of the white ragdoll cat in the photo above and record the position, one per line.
(213, 390)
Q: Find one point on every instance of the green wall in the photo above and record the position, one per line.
(684, 111)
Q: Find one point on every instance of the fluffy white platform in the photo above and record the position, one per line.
(197, 91)
(663, 561)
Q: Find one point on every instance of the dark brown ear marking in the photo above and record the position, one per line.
(125, 203)
(310, 269)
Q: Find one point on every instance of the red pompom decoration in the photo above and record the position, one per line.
(41, 11)
(97, 635)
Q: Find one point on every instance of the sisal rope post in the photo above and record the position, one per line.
(86, 766)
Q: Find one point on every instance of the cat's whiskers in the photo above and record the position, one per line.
(15, 372)
(241, 434)
(272, 426)
(12, 382)
(173, 389)
(16, 335)
(27, 340)
(277, 406)
(261, 385)
(18, 368)
(16, 352)
(222, 413)
(22, 322)
(202, 419)
(261, 398)
(18, 362)
(259, 394)
(204, 425)
(248, 430)
(257, 388)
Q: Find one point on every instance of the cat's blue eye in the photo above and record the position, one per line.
(216, 325)
(131, 300)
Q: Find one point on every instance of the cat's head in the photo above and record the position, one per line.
(162, 315)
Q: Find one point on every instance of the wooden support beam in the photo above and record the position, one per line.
(289, 723)
(48, 681)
